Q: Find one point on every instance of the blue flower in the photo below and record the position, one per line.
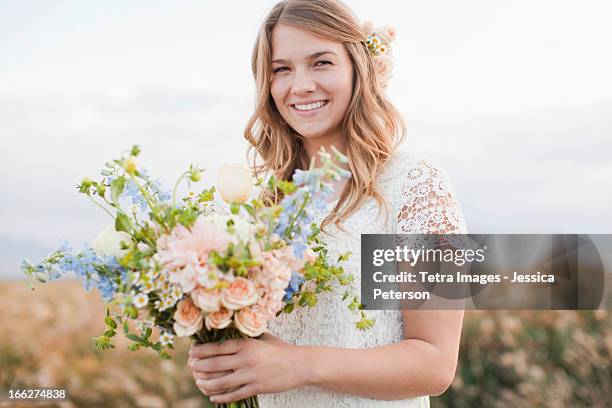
(294, 285)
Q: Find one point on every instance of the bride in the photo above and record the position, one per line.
(318, 84)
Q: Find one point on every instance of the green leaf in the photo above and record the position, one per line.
(117, 186)
(110, 322)
(286, 187)
(133, 337)
(133, 346)
(207, 195)
(147, 333)
(249, 209)
(235, 208)
(122, 222)
(272, 183)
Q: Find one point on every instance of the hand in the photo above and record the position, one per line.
(237, 369)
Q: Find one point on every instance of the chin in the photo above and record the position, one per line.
(310, 133)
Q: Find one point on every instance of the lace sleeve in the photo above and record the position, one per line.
(427, 203)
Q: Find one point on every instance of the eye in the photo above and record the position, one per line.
(280, 69)
(323, 63)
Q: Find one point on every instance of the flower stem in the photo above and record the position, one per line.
(176, 186)
(299, 213)
(149, 199)
(101, 206)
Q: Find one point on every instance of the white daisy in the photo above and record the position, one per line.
(140, 300)
(166, 339)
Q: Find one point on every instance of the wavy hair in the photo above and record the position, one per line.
(372, 125)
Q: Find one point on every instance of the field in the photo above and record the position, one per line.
(507, 359)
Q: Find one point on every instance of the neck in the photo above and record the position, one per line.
(313, 145)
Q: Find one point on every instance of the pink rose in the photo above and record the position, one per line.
(250, 322)
(185, 277)
(219, 320)
(309, 255)
(367, 28)
(209, 276)
(188, 318)
(275, 271)
(387, 34)
(241, 293)
(271, 303)
(207, 300)
(383, 65)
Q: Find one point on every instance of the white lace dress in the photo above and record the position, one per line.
(421, 201)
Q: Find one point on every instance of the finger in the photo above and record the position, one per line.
(213, 349)
(219, 363)
(227, 383)
(210, 393)
(243, 392)
(201, 375)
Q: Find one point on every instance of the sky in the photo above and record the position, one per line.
(513, 99)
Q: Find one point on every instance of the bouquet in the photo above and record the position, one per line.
(198, 268)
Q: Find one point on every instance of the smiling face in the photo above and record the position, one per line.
(311, 83)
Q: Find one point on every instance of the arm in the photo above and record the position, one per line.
(423, 364)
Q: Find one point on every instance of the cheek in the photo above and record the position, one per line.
(277, 90)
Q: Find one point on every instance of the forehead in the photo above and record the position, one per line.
(294, 43)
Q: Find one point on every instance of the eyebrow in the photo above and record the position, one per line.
(311, 57)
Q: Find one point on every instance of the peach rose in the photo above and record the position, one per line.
(241, 293)
(188, 318)
(387, 34)
(250, 322)
(219, 320)
(208, 301)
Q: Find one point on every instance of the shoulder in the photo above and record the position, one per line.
(410, 168)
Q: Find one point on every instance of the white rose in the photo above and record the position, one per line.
(243, 228)
(235, 183)
(108, 241)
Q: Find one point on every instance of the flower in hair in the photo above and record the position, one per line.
(378, 42)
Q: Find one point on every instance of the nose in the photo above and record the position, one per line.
(302, 84)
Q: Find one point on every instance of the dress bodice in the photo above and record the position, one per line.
(421, 201)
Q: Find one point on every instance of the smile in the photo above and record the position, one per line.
(310, 106)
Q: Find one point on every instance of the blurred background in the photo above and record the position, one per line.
(513, 98)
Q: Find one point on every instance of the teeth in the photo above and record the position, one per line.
(310, 106)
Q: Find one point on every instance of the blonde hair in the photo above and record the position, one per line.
(372, 125)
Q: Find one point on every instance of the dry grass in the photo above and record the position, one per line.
(46, 343)
(507, 359)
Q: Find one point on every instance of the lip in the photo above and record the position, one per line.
(309, 113)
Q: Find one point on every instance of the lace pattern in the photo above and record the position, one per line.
(421, 201)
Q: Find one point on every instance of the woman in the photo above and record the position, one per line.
(318, 86)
